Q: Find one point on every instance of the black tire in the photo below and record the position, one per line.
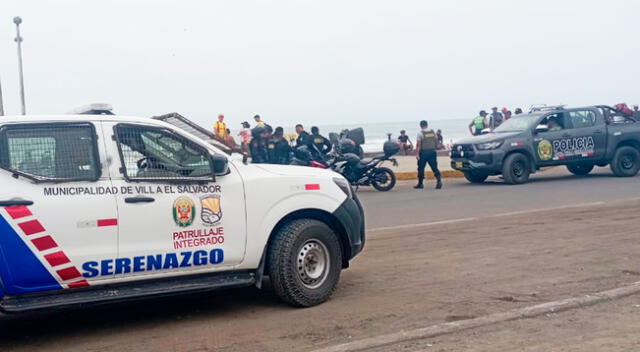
(475, 176)
(290, 261)
(580, 169)
(626, 162)
(384, 179)
(516, 169)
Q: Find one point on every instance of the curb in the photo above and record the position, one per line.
(428, 174)
(453, 327)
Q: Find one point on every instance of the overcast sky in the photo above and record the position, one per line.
(320, 61)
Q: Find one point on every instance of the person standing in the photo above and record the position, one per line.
(278, 149)
(636, 112)
(426, 143)
(440, 145)
(258, 120)
(495, 119)
(518, 111)
(303, 136)
(219, 127)
(245, 136)
(321, 144)
(507, 115)
(258, 145)
(478, 124)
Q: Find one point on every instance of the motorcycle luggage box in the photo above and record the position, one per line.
(357, 135)
(390, 148)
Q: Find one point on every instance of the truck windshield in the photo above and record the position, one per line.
(518, 123)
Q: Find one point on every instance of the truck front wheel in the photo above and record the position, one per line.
(515, 169)
(304, 262)
(626, 162)
(475, 176)
(580, 169)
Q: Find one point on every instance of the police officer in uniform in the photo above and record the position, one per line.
(318, 142)
(278, 149)
(426, 145)
(258, 145)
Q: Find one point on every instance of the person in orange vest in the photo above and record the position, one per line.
(220, 128)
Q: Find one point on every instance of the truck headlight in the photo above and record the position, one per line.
(489, 145)
(344, 186)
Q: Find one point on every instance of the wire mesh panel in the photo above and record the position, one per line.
(150, 153)
(50, 152)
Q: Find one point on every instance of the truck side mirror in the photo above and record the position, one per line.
(542, 129)
(220, 164)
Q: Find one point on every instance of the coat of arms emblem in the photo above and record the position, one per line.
(184, 211)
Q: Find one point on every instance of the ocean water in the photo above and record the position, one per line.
(377, 133)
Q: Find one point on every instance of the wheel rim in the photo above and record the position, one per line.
(518, 169)
(382, 179)
(313, 263)
(627, 162)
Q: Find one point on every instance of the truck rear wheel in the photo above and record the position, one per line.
(626, 162)
(304, 262)
(515, 169)
(475, 176)
(580, 169)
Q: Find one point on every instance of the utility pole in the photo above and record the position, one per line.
(17, 20)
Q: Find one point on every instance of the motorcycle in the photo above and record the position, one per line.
(363, 172)
(302, 156)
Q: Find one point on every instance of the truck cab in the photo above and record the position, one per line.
(98, 208)
(580, 138)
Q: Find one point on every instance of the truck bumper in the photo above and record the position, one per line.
(351, 216)
(489, 162)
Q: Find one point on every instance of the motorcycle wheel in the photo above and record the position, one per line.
(383, 179)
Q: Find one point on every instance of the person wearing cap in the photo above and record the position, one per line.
(258, 120)
(495, 119)
(507, 114)
(478, 124)
(426, 144)
(219, 127)
(518, 111)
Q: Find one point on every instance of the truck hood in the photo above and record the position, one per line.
(489, 137)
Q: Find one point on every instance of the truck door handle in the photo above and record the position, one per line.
(139, 200)
(15, 202)
(566, 135)
(597, 131)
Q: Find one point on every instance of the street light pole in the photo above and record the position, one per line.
(17, 20)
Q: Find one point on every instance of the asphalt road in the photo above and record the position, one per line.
(552, 188)
(407, 277)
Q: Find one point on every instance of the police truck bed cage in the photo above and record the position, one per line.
(545, 107)
(182, 122)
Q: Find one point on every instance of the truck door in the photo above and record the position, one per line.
(57, 207)
(554, 129)
(588, 136)
(173, 217)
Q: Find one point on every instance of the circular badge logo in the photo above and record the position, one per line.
(545, 150)
(184, 211)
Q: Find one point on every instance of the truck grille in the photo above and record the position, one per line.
(459, 150)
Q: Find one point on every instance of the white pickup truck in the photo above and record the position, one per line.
(99, 208)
